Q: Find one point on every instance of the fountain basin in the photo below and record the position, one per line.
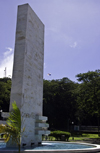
(56, 147)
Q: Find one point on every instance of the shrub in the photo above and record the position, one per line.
(58, 135)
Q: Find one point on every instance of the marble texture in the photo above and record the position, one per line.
(27, 79)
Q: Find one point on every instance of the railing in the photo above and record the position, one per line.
(86, 128)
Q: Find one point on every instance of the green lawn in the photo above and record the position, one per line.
(84, 136)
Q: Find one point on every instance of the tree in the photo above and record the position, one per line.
(5, 88)
(88, 99)
(59, 103)
(12, 131)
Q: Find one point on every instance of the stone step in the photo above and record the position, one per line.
(5, 114)
(41, 118)
(42, 132)
(41, 125)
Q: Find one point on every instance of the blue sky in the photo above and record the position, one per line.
(72, 35)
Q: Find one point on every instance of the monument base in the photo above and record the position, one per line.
(36, 138)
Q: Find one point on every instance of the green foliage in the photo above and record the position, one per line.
(5, 88)
(85, 136)
(14, 119)
(65, 101)
(88, 99)
(58, 134)
(58, 102)
(12, 131)
(89, 76)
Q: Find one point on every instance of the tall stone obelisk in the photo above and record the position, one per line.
(27, 79)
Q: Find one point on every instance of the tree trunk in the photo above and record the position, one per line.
(19, 148)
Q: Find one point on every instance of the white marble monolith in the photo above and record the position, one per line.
(27, 79)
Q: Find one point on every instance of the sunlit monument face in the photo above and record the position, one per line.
(27, 80)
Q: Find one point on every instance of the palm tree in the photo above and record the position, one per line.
(12, 131)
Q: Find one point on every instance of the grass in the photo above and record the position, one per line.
(84, 136)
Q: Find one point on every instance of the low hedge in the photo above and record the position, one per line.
(60, 135)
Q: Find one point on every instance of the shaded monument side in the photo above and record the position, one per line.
(18, 66)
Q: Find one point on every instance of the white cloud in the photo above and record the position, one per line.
(7, 62)
(9, 51)
(74, 45)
